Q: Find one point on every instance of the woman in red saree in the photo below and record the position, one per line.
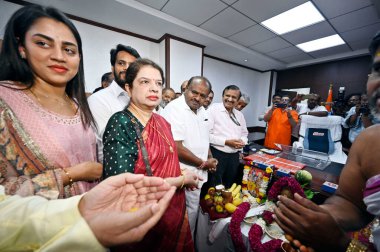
(123, 152)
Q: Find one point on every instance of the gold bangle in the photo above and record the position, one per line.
(356, 246)
(71, 181)
(183, 181)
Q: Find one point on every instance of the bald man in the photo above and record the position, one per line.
(189, 123)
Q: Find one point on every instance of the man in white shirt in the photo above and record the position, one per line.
(313, 107)
(106, 102)
(189, 126)
(208, 100)
(168, 94)
(228, 135)
(243, 102)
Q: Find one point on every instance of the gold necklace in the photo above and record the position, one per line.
(66, 98)
(163, 136)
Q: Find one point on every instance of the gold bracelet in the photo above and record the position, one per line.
(356, 246)
(71, 181)
(183, 181)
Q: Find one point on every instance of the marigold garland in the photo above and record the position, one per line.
(282, 182)
(254, 236)
(235, 230)
(267, 217)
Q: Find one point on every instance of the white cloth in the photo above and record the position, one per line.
(372, 202)
(36, 224)
(219, 225)
(192, 207)
(222, 127)
(159, 111)
(333, 123)
(302, 108)
(191, 129)
(217, 228)
(103, 104)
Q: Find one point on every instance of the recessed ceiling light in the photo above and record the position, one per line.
(245, 60)
(301, 16)
(322, 43)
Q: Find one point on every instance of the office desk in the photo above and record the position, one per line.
(223, 241)
(331, 174)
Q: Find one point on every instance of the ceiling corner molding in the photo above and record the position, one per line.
(336, 57)
(167, 35)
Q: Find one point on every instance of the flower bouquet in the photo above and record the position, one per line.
(286, 186)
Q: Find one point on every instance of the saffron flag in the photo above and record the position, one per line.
(329, 99)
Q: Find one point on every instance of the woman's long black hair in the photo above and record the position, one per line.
(14, 68)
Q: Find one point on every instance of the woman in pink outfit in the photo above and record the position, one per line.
(47, 146)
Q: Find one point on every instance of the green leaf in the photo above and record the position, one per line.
(309, 194)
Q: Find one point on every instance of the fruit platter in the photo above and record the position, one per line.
(220, 202)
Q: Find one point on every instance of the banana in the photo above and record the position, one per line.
(237, 196)
(236, 190)
(232, 187)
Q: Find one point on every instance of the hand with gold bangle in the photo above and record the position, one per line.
(187, 179)
(85, 171)
(183, 178)
(68, 175)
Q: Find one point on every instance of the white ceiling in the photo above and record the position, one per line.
(231, 30)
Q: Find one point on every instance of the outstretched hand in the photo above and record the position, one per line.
(123, 208)
(191, 180)
(310, 224)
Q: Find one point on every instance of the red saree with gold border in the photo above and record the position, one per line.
(172, 232)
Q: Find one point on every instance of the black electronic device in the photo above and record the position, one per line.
(364, 110)
(282, 105)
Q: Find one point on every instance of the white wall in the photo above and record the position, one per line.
(96, 44)
(162, 56)
(253, 83)
(185, 62)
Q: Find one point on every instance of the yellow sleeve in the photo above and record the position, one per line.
(35, 223)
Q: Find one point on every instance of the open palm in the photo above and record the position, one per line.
(123, 208)
(124, 192)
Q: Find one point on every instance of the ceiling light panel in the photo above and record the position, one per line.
(322, 43)
(301, 16)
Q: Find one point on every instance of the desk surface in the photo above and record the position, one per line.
(331, 174)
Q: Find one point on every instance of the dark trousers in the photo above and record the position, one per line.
(226, 170)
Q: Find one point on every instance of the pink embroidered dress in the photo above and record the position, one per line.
(36, 143)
